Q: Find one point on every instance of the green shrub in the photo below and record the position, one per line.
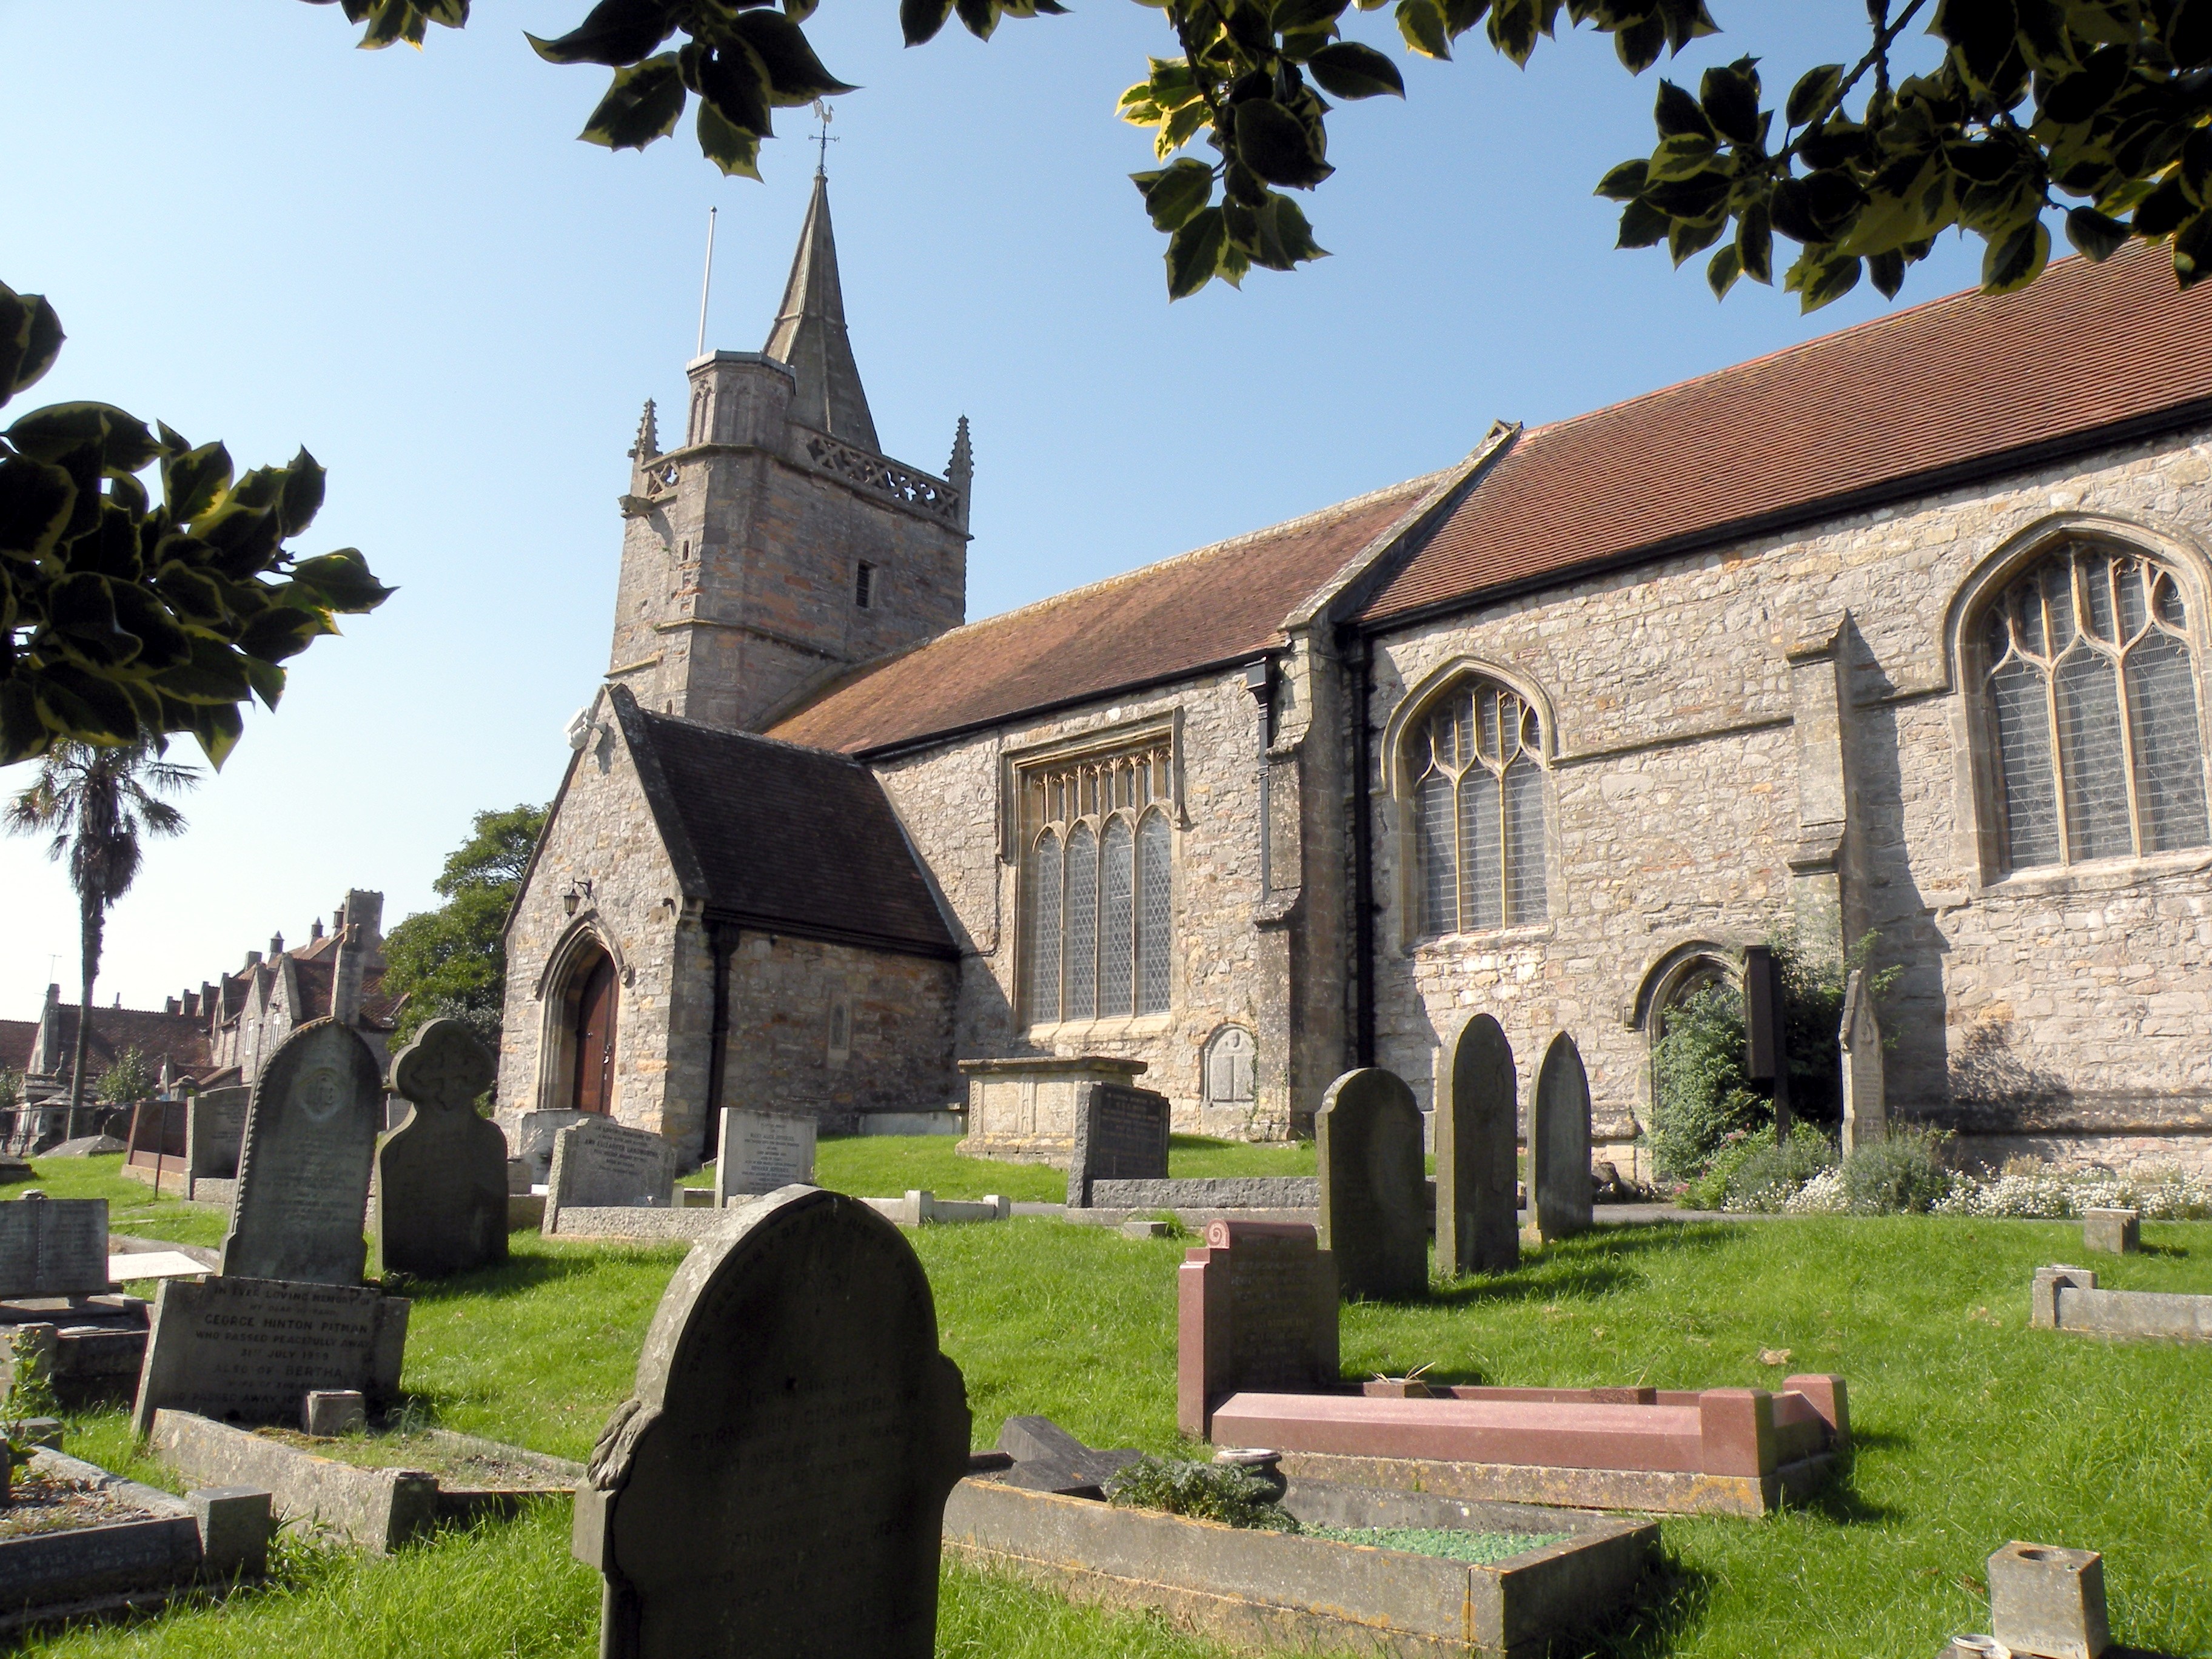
(1207, 1491)
(1702, 1095)
(1903, 1174)
(1710, 1190)
(1766, 1179)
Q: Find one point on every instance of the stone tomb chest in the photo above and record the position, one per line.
(1025, 1109)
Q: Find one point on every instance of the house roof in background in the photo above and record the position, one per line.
(16, 1037)
(2084, 356)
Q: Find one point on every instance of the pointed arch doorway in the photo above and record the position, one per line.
(592, 1033)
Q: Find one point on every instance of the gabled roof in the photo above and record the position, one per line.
(2084, 357)
(155, 1032)
(780, 838)
(809, 334)
(16, 1037)
(1220, 604)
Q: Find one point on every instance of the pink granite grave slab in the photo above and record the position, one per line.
(1567, 1436)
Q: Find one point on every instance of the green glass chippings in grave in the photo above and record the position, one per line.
(1479, 1549)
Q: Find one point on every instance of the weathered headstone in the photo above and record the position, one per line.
(303, 1171)
(54, 1247)
(600, 1163)
(441, 1175)
(1478, 1225)
(252, 1350)
(1560, 1143)
(533, 1140)
(1255, 1307)
(1048, 1458)
(776, 1484)
(759, 1151)
(215, 1130)
(1866, 1109)
(1120, 1134)
(1374, 1198)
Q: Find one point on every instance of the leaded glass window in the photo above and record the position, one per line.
(1097, 884)
(2091, 694)
(1477, 800)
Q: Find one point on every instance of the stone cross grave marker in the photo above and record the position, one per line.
(1560, 1143)
(1866, 1110)
(1478, 1223)
(311, 1130)
(600, 1163)
(441, 1175)
(252, 1350)
(54, 1247)
(776, 1484)
(1255, 1307)
(1373, 1192)
(1041, 1456)
(759, 1151)
(1120, 1134)
(214, 1129)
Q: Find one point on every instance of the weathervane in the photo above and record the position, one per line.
(821, 113)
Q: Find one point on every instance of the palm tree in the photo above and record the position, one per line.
(98, 802)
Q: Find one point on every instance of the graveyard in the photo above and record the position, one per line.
(1969, 1426)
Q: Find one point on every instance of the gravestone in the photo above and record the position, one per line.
(252, 1350)
(1373, 1197)
(533, 1140)
(441, 1175)
(601, 1163)
(1045, 1457)
(759, 1151)
(1866, 1110)
(54, 1247)
(1229, 1061)
(1255, 1307)
(1120, 1134)
(776, 1484)
(1478, 1224)
(303, 1171)
(214, 1129)
(1560, 1143)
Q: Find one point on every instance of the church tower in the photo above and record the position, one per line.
(778, 545)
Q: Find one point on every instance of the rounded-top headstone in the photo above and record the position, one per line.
(1560, 1143)
(776, 1484)
(304, 1164)
(1373, 1205)
(1478, 1223)
(441, 1173)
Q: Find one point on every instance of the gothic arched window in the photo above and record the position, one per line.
(1097, 885)
(1478, 807)
(2091, 696)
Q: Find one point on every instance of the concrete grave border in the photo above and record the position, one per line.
(2067, 1299)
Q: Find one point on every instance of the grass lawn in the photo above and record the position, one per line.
(133, 1206)
(884, 1166)
(1971, 1429)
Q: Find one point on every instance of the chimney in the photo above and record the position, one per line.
(190, 1004)
(176, 1005)
(364, 913)
(254, 959)
(276, 946)
(345, 976)
(315, 932)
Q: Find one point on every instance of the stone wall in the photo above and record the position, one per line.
(952, 800)
(1685, 714)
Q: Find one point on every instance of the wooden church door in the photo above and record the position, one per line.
(595, 1039)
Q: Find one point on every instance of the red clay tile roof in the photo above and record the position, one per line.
(156, 1033)
(2085, 356)
(16, 1037)
(1218, 604)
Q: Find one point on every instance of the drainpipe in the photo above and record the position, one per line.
(1260, 681)
(722, 939)
(1363, 860)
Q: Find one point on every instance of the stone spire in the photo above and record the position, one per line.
(960, 470)
(648, 436)
(810, 336)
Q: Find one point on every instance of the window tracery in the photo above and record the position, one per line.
(1477, 809)
(2091, 695)
(1096, 903)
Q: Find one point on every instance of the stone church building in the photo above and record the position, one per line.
(1900, 633)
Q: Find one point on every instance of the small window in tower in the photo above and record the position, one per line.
(863, 586)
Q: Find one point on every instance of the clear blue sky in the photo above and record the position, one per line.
(405, 262)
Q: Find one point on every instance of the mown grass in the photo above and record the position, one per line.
(1972, 1428)
(884, 1166)
(132, 1206)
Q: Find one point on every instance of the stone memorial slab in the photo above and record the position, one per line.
(1373, 1197)
(759, 1152)
(303, 1170)
(1255, 1307)
(599, 1164)
(54, 1247)
(1866, 1109)
(1560, 1143)
(441, 1175)
(215, 1131)
(1478, 1224)
(533, 1141)
(1120, 1134)
(252, 1350)
(776, 1484)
